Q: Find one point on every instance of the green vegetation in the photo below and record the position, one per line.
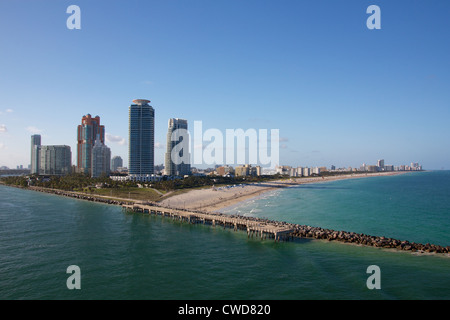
(134, 193)
(15, 181)
(104, 186)
(151, 191)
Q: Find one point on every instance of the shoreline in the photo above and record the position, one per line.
(300, 231)
(215, 200)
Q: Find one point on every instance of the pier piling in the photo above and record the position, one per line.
(255, 227)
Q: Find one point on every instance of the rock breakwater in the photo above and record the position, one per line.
(367, 240)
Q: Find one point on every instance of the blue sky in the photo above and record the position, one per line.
(340, 94)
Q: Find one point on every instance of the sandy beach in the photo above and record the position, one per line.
(214, 199)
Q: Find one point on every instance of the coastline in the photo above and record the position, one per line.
(211, 200)
(241, 193)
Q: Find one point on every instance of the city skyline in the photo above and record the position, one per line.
(340, 94)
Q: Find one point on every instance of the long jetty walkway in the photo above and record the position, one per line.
(277, 230)
(254, 226)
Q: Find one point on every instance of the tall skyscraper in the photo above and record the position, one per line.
(116, 162)
(101, 159)
(141, 144)
(87, 134)
(171, 168)
(35, 145)
(55, 160)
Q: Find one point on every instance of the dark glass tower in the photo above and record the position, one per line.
(35, 145)
(172, 169)
(141, 144)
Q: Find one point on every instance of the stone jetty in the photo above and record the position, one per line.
(286, 231)
(367, 240)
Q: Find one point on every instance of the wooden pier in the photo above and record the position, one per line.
(255, 227)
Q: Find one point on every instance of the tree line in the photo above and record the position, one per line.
(81, 182)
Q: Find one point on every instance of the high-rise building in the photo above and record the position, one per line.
(35, 146)
(87, 134)
(306, 172)
(172, 168)
(380, 164)
(247, 170)
(116, 162)
(141, 139)
(55, 160)
(225, 170)
(101, 159)
(242, 170)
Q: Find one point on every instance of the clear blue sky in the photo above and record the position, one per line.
(340, 94)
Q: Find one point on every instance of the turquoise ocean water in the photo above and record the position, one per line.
(136, 256)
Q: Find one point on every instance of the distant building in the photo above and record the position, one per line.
(293, 172)
(87, 133)
(372, 168)
(101, 159)
(247, 170)
(380, 164)
(141, 144)
(116, 162)
(306, 172)
(55, 160)
(225, 170)
(415, 166)
(176, 126)
(241, 171)
(35, 146)
(122, 177)
(284, 170)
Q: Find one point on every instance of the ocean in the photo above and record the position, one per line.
(124, 255)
